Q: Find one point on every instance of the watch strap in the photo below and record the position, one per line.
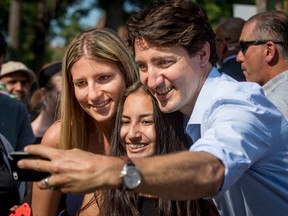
(127, 160)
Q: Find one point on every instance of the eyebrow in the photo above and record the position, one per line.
(141, 116)
(158, 58)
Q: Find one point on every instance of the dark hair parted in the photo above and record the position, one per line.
(170, 137)
(173, 23)
(272, 25)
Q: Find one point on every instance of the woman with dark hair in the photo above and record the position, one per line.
(142, 130)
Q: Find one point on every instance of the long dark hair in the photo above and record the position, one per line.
(170, 137)
(169, 127)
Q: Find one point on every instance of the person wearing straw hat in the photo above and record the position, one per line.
(18, 79)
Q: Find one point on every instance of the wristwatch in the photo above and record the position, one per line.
(130, 174)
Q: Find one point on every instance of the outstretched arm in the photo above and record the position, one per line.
(184, 175)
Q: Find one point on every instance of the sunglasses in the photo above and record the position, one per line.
(244, 45)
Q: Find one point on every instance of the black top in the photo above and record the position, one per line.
(148, 206)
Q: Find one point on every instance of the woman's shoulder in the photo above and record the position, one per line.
(52, 135)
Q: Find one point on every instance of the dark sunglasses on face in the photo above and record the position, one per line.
(244, 45)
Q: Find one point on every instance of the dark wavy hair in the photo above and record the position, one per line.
(173, 23)
(168, 127)
(170, 137)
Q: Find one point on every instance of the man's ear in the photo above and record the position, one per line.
(270, 51)
(204, 54)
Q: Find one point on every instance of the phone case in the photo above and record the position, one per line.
(24, 174)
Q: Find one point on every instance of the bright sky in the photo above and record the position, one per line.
(90, 20)
(93, 15)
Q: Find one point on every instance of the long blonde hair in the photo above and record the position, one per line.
(98, 43)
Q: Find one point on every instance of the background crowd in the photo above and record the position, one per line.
(200, 115)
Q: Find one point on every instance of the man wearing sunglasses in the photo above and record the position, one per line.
(264, 55)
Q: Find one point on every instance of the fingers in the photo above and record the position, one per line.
(55, 182)
(46, 181)
(35, 164)
(45, 185)
(42, 151)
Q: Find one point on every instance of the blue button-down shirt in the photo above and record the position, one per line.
(236, 123)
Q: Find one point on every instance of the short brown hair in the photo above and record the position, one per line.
(272, 25)
(173, 22)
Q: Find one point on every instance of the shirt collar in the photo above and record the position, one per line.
(275, 81)
(205, 96)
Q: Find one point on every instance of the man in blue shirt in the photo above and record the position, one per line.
(239, 155)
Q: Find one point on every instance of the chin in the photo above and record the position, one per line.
(167, 109)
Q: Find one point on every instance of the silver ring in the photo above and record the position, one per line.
(46, 180)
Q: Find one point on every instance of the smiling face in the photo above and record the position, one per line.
(137, 131)
(174, 78)
(18, 84)
(99, 86)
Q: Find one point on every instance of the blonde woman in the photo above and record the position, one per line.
(96, 70)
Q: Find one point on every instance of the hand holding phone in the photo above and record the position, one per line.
(25, 174)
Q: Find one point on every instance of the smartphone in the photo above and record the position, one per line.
(25, 174)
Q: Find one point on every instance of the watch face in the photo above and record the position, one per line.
(132, 178)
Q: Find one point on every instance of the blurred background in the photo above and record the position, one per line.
(37, 31)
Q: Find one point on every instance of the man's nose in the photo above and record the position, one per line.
(152, 78)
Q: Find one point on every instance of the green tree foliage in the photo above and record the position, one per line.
(35, 32)
(218, 10)
(120, 8)
(44, 20)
